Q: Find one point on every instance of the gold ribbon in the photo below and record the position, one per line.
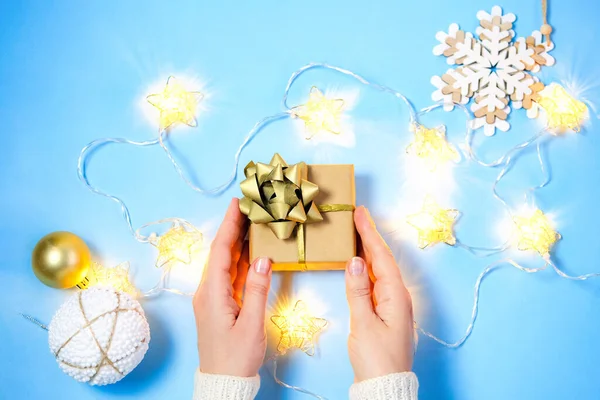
(301, 245)
(280, 195)
(325, 208)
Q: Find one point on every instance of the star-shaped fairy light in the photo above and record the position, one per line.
(320, 113)
(176, 104)
(563, 111)
(434, 223)
(431, 146)
(178, 244)
(298, 329)
(116, 277)
(535, 232)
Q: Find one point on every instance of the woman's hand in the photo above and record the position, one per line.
(381, 317)
(231, 332)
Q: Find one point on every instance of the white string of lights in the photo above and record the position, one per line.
(506, 162)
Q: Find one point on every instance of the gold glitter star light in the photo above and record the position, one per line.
(431, 146)
(320, 113)
(563, 111)
(177, 245)
(176, 104)
(434, 224)
(535, 232)
(298, 329)
(116, 277)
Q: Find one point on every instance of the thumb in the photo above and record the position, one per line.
(256, 293)
(358, 290)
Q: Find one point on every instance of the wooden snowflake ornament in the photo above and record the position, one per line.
(493, 69)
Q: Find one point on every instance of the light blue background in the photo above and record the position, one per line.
(71, 72)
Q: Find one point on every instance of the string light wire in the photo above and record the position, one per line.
(247, 139)
(509, 159)
(273, 358)
(361, 79)
(161, 286)
(476, 296)
(482, 252)
(90, 147)
(546, 172)
(505, 158)
(83, 177)
(583, 277)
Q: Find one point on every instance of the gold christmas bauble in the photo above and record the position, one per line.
(61, 260)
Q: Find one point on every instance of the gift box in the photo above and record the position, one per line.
(301, 215)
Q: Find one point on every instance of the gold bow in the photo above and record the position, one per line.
(279, 195)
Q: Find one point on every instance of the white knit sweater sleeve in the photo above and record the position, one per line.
(400, 386)
(224, 387)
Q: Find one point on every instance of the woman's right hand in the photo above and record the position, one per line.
(381, 316)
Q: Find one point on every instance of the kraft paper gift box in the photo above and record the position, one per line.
(301, 215)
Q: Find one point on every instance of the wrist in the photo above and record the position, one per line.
(212, 386)
(238, 372)
(379, 368)
(233, 368)
(398, 386)
(362, 377)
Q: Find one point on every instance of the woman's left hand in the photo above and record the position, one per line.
(231, 332)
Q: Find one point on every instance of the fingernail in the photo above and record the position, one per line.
(262, 265)
(356, 266)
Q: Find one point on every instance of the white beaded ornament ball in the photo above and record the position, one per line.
(99, 335)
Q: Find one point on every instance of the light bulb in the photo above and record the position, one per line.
(178, 244)
(563, 111)
(176, 104)
(116, 277)
(320, 113)
(298, 328)
(535, 232)
(431, 146)
(434, 224)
